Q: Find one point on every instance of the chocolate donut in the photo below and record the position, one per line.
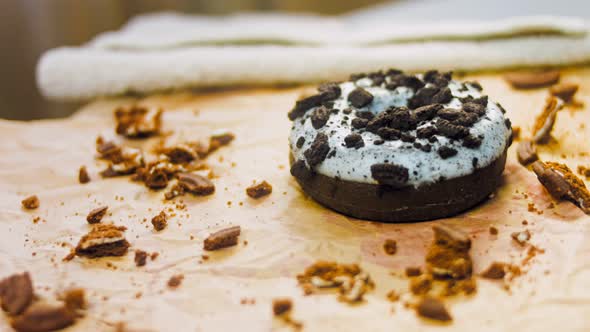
(394, 147)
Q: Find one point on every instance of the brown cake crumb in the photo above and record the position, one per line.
(195, 184)
(433, 308)
(390, 246)
(83, 176)
(562, 183)
(392, 296)
(350, 281)
(16, 293)
(31, 202)
(526, 153)
(521, 237)
(259, 189)
(175, 280)
(218, 140)
(103, 240)
(96, 215)
(42, 317)
(449, 255)
(412, 271)
(565, 91)
(222, 239)
(584, 171)
(75, 299)
(421, 284)
(493, 230)
(138, 121)
(159, 222)
(532, 79)
(545, 121)
(140, 258)
(281, 306)
(496, 270)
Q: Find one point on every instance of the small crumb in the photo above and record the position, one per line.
(521, 237)
(83, 176)
(96, 215)
(222, 239)
(140, 258)
(433, 308)
(75, 299)
(392, 296)
(493, 230)
(159, 222)
(390, 246)
(175, 281)
(412, 271)
(281, 306)
(258, 190)
(31, 202)
(496, 270)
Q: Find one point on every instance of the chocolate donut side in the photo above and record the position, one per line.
(408, 204)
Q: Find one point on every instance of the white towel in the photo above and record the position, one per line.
(171, 51)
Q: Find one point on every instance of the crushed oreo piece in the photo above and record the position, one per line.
(303, 105)
(413, 271)
(390, 174)
(140, 258)
(222, 239)
(433, 308)
(330, 91)
(103, 240)
(31, 202)
(318, 150)
(449, 113)
(138, 121)
(180, 154)
(474, 108)
(360, 97)
(526, 152)
(365, 115)
(423, 97)
(450, 130)
(259, 189)
(43, 317)
(389, 134)
(426, 132)
(446, 152)
(156, 179)
(354, 140)
(195, 184)
(300, 142)
(441, 80)
(16, 293)
(359, 123)
(300, 170)
(319, 117)
(378, 142)
(160, 221)
(96, 215)
(408, 138)
(83, 176)
(399, 79)
(472, 142)
(218, 140)
(428, 112)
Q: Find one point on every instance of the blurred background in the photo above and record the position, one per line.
(29, 27)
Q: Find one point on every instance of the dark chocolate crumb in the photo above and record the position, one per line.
(360, 97)
(318, 150)
(378, 142)
(140, 258)
(258, 190)
(300, 142)
(427, 112)
(471, 141)
(446, 152)
(426, 132)
(365, 115)
(222, 239)
(359, 123)
(390, 174)
(96, 215)
(354, 140)
(83, 176)
(319, 117)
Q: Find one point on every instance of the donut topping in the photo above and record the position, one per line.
(390, 174)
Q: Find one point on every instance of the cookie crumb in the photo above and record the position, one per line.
(31, 202)
(75, 299)
(103, 240)
(43, 317)
(175, 281)
(526, 153)
(16, 293)
(96, 215)
(140, 258)
(493, 230)
(390, 246)
(521, 237)
(281, 306)
(532, 79)
(496, 270)
(83, 176)
(160, 222)
(222, 239)
(430, 307)
(259, 189)
(413, 271)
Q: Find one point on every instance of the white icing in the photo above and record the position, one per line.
(352, 164)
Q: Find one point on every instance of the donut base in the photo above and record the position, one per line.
(386, 204)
